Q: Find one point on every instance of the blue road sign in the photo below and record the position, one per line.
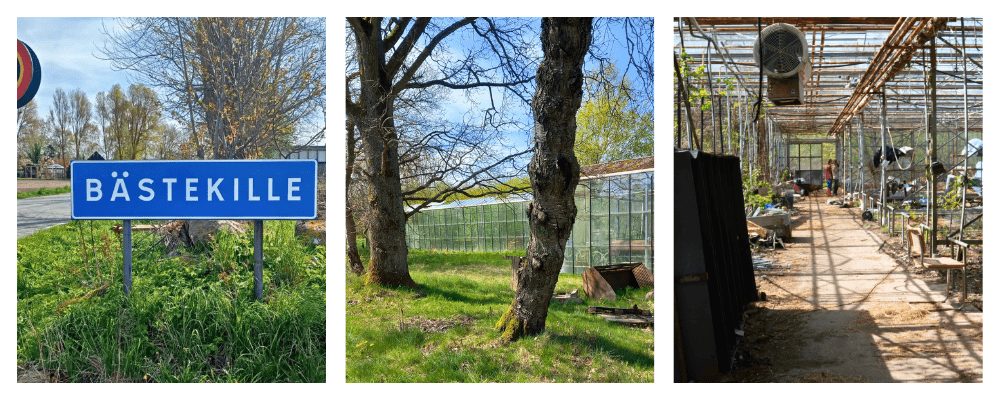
(222, 189)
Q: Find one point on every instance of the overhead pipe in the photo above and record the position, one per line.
(895, 53)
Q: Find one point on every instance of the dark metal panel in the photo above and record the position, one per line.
(713, 270)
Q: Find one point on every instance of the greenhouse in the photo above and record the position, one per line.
(826, 171)
(614, 222)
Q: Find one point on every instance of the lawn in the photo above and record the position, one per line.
(189, 318)
(444, 331)
(43, 192)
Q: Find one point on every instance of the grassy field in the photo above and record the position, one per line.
(443, 332)
(191, 318)
(43, 192)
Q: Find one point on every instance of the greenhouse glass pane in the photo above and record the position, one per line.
(619, 227)
(581, 230)
(599, 255)
(599, 230)
(581, 257)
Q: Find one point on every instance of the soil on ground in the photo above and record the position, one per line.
(28, 185)
(845, 304)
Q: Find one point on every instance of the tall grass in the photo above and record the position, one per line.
(191, 318)
(391, 335)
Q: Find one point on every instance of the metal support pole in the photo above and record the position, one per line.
(729, 123)
(647, 224)
(883, 165)
(258, 258)
(965, 111)
(861, 164)
(932, 152)
(127, 254)
(848, 157)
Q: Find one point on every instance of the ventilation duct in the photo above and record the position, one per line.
(781, 52)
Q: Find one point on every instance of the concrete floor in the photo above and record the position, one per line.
(862, 313)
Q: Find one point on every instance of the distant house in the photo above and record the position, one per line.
(317, 153)
(56, 171)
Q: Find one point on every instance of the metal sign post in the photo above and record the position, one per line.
(211, 190)
(258, 258)
(127, 254)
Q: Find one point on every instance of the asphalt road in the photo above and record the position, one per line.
(37, 213)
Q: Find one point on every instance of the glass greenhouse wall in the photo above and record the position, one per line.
(614, 223)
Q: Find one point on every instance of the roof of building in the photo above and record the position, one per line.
(615, 167)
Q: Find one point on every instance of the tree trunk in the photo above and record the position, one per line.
(357, 267)
(554, 173)
(386, 221)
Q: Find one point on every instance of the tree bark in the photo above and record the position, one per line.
(354, 258)
(386, 221)
(554, 173)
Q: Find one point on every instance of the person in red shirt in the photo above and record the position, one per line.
(835, 171)
(828, 175)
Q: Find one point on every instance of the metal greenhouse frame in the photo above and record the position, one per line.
(614, 223)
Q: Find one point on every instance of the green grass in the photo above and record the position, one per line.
(191, 318)
(576, 346)
(43, 192)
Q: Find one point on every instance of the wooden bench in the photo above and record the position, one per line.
(947, 264)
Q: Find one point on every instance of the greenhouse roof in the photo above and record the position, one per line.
(852, 59)
(616, 167)
(482, 201)
(586, 172)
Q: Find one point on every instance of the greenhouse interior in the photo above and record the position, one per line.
(856, 145)
(614, 222)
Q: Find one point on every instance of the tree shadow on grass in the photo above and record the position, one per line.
(457, 296)
(628, 356)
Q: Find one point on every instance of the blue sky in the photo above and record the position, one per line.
(66, 48)
(458, 104)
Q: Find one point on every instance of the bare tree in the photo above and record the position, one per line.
(60, 118)
(160, 49)
(241, 85)
(104, 105)
(354, 258)
(554, 173)
(166, 142)
(635, 37)
(397, 55)
(81, 115)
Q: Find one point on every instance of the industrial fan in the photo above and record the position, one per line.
(781, 52)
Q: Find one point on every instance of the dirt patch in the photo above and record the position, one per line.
(895, 313)
(436, 325)
(30, 185)
(844, 304)
(769, 334)
(829, 378)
